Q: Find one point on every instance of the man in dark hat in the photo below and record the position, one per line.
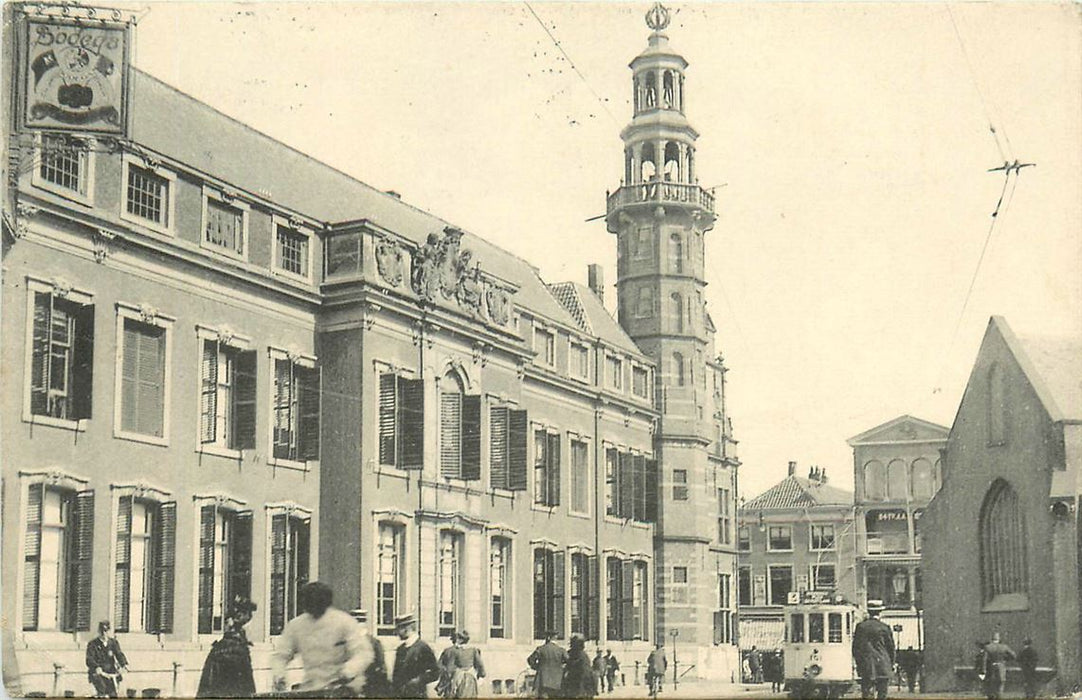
(548, 660)
(873, 653)
(414, 663)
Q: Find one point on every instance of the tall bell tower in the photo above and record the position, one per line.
(660, 215)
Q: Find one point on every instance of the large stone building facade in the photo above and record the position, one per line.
(661, 215)
(897, 470)
(232, 369)
(1002, 535)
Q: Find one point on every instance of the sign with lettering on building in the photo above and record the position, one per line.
(74, 75)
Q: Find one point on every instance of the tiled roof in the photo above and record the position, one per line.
(591, 315)
(797, 492)
(568, 297)
(183, 128)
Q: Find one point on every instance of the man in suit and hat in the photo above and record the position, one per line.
(414, 663)
(873, 652)
(548, 660)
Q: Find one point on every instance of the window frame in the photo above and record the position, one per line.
(145, 494)
(833, 546)
(614, 372)
(813, 573)
(292, 513)
(234, 508)
(740, 540)
(85, 194)
(506, 546)
(168, 211)
(537, 500)
(150, 316)
(244, 208)
(301, 229)
(36, 286)
(680, 488)
(400, 523)
(457, 591)
(236, 344)
(573, 348)
(769, 539)
(572, 440)
(545, 356)
(770, 582)
(306, 361)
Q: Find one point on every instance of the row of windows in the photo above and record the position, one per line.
(578, 364)
(779, 538)
(58, 559)
(640, 243)
(898, 481)
(774, 588)
(566, 592)
(62, 384)
(149, 196)
(629, 478)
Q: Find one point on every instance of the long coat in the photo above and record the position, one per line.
(414, 668)
(579, 680)
(873, 649)
(548, 660)
(227, 672)
(104, 655)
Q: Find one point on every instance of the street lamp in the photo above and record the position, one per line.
(898, 583)
(674, 634)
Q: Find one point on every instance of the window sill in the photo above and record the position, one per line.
(138, 437)
(1007, 602)
(292, 276)
(223, 251)
(302, 466)
(542, 508)
(219, 451)
(61, 191)
(145, 223)
(62, 423)
(50, 639)
(580, 516)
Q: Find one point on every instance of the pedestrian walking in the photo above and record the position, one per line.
(777, 671)
(227, 672)
(460, 667)
(548, 661)
(909, 662)
(376, 684)
(414, 663)
(1027, 660)
(104, 660)
(578, 680)
(873, 653)
(331, 644)
(612, 667)
(656, 665)
(996, 655)
(755, 663)
(598, 666)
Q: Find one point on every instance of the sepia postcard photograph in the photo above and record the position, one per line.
(541, 349)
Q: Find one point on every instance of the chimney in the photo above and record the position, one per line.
(596, 276)
(792, 468)
(823, 476)
(812, 476)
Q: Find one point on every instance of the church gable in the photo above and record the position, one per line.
(902, 429)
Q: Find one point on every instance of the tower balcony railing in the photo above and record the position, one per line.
(662, 192)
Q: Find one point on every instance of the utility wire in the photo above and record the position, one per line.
(560, 48)
(977, 87)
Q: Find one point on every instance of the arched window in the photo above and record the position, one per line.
(676, 252)
(897, 480)
(923, 487)
(460, 430)
(1002, 544)
(672, 162)
(875, 481)
(651, 90)
(678, 368)
(676, 303)
(668, 91)
(997, 407)
(937, 476)
(648, 167)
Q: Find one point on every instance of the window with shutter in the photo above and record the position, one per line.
(614, 583)
(627, 599)
(32, 556)
(612, 495)
(278, 555)
(309, 382)
(411, 423)
(593, 598)
(554, 469)
(388, 400)
(135, 596)
(499, 588)
(580, 477)
(639, 513)
(652, 495)
(390, 555)
(296, 411)
(165, 566)
(284, 410)
(517, 437)
(497, 456)
(548, 599)
(558, 612)
(239, 546)
(82, 562)
(626, 478)
(450, 429)
(449, 582)
(540, 468)
(62, 365)
(471, 438)
(578, 593)
(289, 567)
(208, 516)
(244, 393)
(142, 378)
(225, 564)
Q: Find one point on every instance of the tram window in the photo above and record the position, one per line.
(834, 628)
(796, 628)
(815, 627)
(848, 621)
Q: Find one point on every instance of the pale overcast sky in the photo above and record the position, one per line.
(852, 139)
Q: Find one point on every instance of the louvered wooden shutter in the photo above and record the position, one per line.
(592, 595)
(451, 435)
(303, 544)
(388, 398)
(625, 479)
(151, 380)
(644, 607)
(82, 369)
(283, 409)
(206, 569)
(208, 392)
(411, 423)
(627, 599)
(166, 564)
(471, 438)
(652, 495)
(240, 557)
(122, 599)
(83, 559)
(129, 377)
(553, 469)
(32, 556)
(640, 488)
(558, 588)
(517, 437)
(497, 429)
(244, 401)
(278, 573)
(40, 352)
(309, 382)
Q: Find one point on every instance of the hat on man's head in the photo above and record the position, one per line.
(875, 605)
(405, 619)
(359, 614)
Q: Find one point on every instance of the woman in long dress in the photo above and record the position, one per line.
(227, 672)
(461, 668)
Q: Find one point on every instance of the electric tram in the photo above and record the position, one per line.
(818, 645)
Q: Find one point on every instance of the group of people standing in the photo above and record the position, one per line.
(765, 667)
(991, 666)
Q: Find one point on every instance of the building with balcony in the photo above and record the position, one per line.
(796, 536)
(1002, 547)
(897, 470)
(660, 216)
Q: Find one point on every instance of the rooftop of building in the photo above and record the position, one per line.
(902, 429)
(193, 133)
(1058, 364)
(591, 315)
(799, 492)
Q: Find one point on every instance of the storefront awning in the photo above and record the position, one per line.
(765, 634)
(908, 636)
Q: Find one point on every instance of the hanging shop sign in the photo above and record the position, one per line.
(74, 74)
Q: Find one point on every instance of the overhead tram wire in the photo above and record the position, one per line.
(980, 92)
(560, 48)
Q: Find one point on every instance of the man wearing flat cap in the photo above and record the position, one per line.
(873, 653)
(414, 663)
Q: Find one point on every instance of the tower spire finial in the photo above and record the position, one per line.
(657, 17)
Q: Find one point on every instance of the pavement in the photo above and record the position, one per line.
(694, 688)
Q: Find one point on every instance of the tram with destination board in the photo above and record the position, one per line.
(819, 645)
